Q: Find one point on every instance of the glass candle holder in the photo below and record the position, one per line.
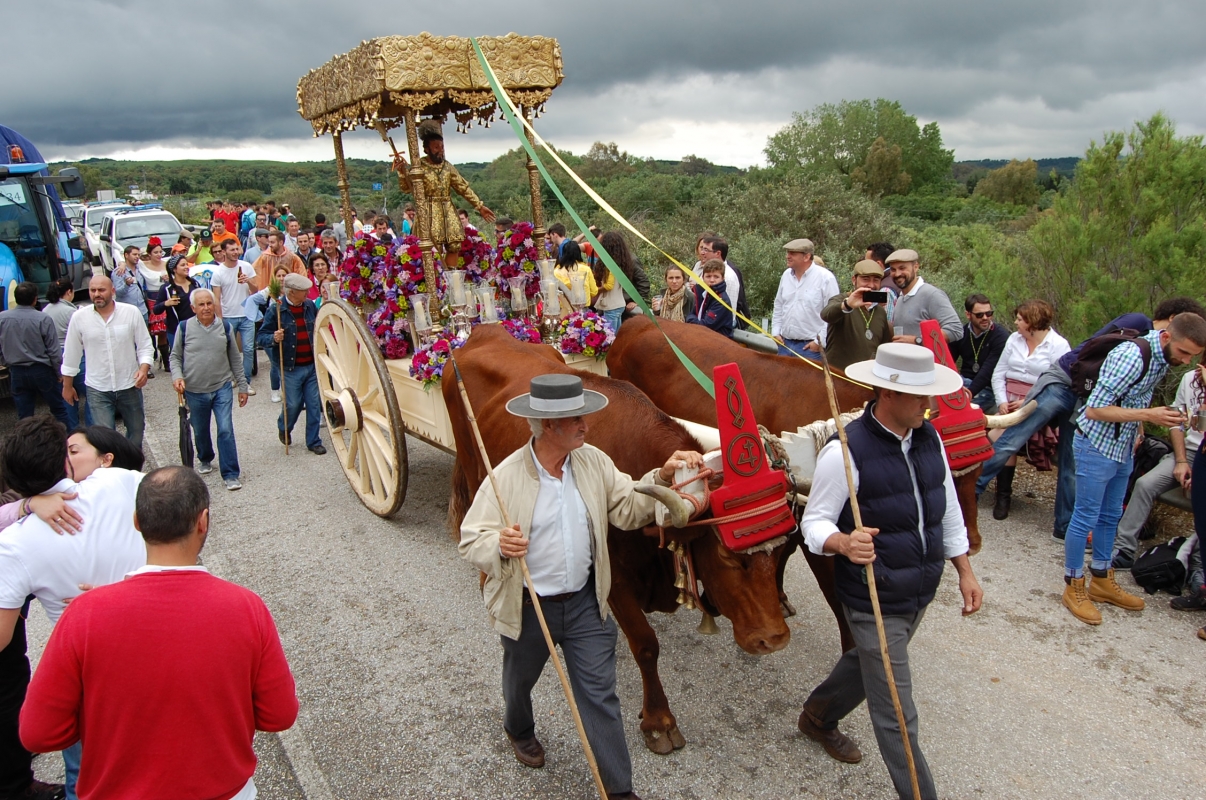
(547, 266)
(457, 296)
(487, 310)
(577, 290)
(519, 294)
(550, 293)
(421, 314)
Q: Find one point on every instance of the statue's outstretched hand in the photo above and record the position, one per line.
(486, 213)
(400, 164)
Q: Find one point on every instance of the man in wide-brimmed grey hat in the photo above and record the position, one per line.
(911, 524)
(562, 494)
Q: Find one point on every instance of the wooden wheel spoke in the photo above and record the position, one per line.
(349, 460)
(334, 370)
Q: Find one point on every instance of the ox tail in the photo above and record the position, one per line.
(458, 501)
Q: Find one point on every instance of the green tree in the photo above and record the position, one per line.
(838, 138)
(882, 172)
(1016, 183)
(1130, 231)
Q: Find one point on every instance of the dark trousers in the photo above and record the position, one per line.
(589, 646)
(859, 675)
(16, 763)
(31, 381)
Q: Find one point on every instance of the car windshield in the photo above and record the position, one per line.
(23, 246)
(96, 215)
(164, 226)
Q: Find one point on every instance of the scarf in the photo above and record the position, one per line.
(672, 304)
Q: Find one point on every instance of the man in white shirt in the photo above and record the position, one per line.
(292, 228)
(233, 282)
(804, 289)
(911, 523)
(563, 493)
(120, 353)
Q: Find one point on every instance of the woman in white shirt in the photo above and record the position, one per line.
(1027, 354)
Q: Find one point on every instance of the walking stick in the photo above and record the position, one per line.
(274, 289)
(879, 617)
(527, 578)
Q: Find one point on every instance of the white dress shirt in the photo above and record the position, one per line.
(798, 303)
(829, 495)
(1019, 364)
(559, 543)
(36, 560)
(114, 347)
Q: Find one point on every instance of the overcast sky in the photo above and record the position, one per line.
(661, 78)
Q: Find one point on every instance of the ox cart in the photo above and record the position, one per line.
(371, 402)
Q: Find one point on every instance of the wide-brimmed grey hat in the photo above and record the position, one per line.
(908, 368)
(556, 397)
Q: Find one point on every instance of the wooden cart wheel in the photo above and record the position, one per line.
(361, 407)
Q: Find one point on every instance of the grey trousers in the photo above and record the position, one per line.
(1158, 480)
(589, 646)
(858, 675)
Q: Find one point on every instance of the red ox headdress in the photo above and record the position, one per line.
(960, 423)
(753, 500)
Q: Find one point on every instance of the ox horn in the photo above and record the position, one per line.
(680, 510)
(1012, 418)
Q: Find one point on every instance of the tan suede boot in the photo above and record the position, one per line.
(1107, 590)
(1078, 603)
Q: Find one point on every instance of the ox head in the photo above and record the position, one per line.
(741, 585)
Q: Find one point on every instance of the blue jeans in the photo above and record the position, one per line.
(71, 768)
(81, 404)
(1102, 486)
(613, 317)
(985, 399)
(1055, 405)
(128, 402)
(245, 328)
(31, 381)
(799, 347)
(274, 359)
(219, 403)
(301, 388)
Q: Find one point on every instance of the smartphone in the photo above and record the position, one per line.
(875, 297)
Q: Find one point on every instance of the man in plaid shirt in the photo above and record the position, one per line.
(1106, 431)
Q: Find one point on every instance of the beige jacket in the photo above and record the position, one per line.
(608, 495)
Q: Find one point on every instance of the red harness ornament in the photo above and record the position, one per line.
(754, 496)
(960, 423)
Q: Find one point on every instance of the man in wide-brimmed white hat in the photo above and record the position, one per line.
(911, 525)
(561, 493)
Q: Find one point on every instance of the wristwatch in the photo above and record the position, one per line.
(917, 339)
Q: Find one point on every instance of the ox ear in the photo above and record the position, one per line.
(1013, 418)
(678, 508)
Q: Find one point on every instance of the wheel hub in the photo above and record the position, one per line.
(344, 412)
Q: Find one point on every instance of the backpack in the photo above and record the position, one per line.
(1161, 567)
(1087, 366)
(1151, 450)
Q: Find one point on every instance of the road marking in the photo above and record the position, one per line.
(305, 769)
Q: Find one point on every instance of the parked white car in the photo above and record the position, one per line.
(134, 225)
(89, 230)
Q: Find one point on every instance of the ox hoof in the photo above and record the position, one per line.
(664, 742)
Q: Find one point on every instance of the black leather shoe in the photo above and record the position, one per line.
(284, 437)
(530, 752)
(37, 790)
(837, 744)
(318, 450)
(623, 796)
(1000, 509)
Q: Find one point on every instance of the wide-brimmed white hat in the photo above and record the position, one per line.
(908, 368)
(555, 397)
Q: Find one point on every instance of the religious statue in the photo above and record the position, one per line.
(440, 180)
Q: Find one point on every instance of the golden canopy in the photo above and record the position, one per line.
(430, 75)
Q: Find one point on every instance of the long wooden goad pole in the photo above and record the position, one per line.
(527, 579)
(879, 617)
(281, 369)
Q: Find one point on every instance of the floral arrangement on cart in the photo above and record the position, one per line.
(507, 284)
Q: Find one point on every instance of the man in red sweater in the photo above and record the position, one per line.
(166, 675)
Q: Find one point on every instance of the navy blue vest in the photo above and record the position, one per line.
(907, 568)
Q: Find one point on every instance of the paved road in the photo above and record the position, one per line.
(398, 672)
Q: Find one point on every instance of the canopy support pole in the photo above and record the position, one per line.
(345, 195)
(538, 230)
(418, 190)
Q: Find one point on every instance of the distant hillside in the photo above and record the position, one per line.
(1064, 167)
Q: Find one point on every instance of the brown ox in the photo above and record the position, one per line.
(786, 393)
(638, 437)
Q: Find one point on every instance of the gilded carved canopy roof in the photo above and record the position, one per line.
(433, 75)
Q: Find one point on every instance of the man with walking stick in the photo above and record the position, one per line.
(561, 494)
(911, 523)
(291, 322)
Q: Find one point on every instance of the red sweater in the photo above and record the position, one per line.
(164, 677)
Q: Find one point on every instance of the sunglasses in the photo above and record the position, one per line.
(982, 314)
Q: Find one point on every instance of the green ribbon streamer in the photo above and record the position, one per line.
(504, 104)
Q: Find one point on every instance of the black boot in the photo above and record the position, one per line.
(1004, 493)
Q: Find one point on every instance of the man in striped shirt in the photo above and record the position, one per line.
(1106, 431)
(296, 331)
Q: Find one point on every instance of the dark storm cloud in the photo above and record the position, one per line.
(140, 72)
